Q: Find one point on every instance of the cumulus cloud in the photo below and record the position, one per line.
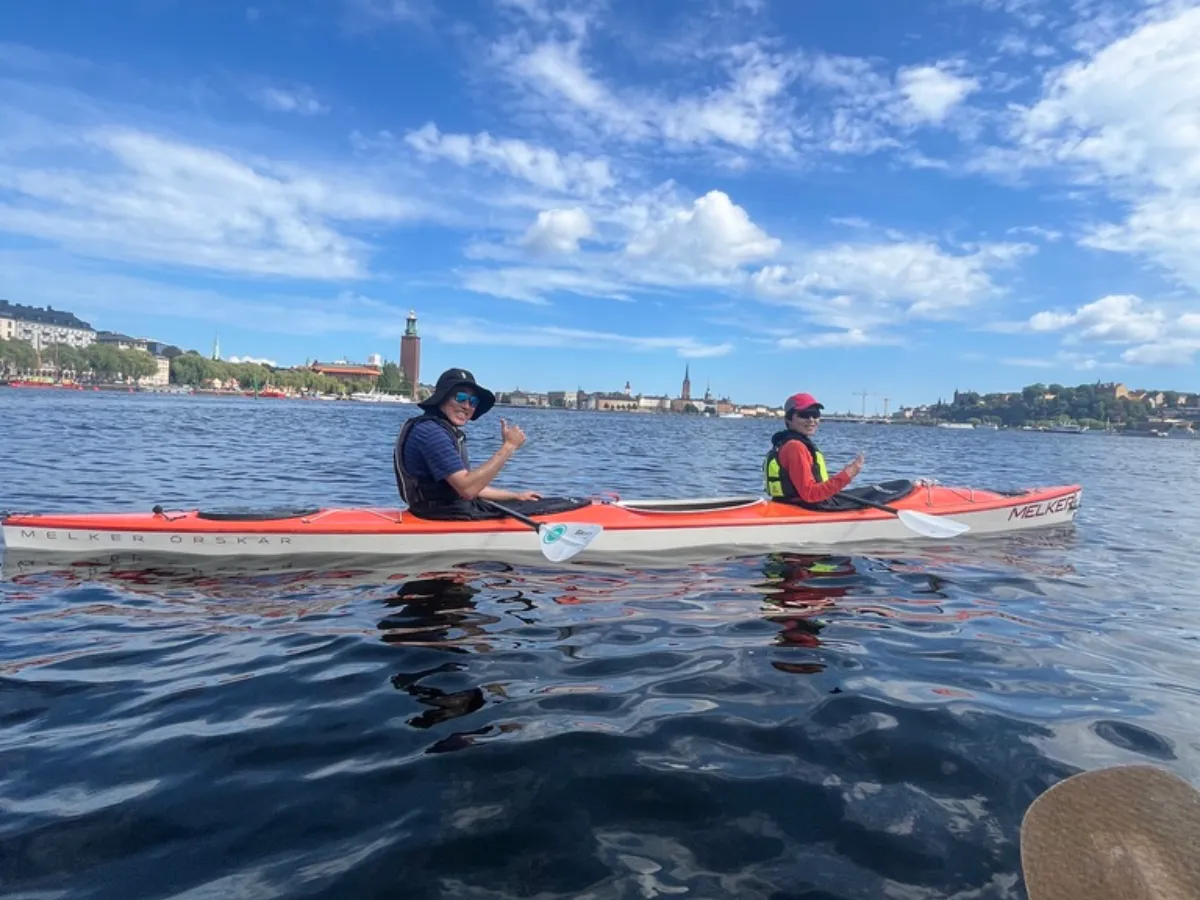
(558, 231)
(1158, 336)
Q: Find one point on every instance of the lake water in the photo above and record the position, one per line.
(862, 725)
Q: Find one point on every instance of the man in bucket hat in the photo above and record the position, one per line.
(432, 467)
(794, 469)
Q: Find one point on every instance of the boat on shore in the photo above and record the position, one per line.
(628, 526)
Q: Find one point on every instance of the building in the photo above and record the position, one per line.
(410, 353)
(375, 359)
(686, 392)
(348, 371)
(654, 404)
(612, 402)
(122, 341)
(43, 327)
(162, 377)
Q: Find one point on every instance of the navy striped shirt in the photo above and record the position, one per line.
(430, 453)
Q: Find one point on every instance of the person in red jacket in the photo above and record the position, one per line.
(795, 469)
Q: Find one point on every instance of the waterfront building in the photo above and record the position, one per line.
(348, 371)
(43, 327)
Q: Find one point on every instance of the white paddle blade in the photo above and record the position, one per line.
(563, 540)
(933, 526)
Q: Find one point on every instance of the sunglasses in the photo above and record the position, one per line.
(808, 414)
(463, 397)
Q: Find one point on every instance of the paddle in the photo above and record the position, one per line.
(930, 526)
(1122, 833)
(559, 541)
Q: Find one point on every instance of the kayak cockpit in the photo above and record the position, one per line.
(695, 505)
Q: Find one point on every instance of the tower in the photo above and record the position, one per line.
(686, 393)
(410, 354)
(216, 347)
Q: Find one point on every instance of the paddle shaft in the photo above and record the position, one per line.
(865, 502)
(520, 517)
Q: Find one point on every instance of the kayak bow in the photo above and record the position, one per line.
(635, 527)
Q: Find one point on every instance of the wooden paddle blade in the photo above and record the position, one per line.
(933, 526)
(1123, 833)
(563, 540)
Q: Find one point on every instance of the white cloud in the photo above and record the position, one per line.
(1077, 361)
(852, 337)
(1117, 318)
(714, 233)
(1125, 120)
(856, 285)
(1171, 352)
(530, 284)
(254, 359)
(558, 231)
(100, 296)
(299, 99)
(751, 110)
(144, 197)
(569, 173)
(1158, 335)
(932, 92)
(1047, 234)
(473, 331)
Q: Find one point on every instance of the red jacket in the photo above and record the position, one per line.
(798, 463)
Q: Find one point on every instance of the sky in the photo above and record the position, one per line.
(896, 199)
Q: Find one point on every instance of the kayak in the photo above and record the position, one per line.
(617, 526)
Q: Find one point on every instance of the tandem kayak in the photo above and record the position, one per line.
(635, 527)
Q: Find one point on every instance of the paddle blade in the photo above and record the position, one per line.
(564, 539)
(933, 526)
(1122, 833)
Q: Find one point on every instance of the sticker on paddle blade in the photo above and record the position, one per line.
(562, 541)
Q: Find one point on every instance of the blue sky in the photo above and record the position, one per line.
(899, 198)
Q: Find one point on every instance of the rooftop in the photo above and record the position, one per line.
(47, 316)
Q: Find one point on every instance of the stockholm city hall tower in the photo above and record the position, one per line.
(410, 354)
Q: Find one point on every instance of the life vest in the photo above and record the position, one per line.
(778, 484)
(416, 492)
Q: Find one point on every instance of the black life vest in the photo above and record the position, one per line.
(778, 483)
(418, 493)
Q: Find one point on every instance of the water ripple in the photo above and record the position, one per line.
(778, 726)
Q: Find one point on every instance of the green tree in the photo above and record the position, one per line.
(17, 356)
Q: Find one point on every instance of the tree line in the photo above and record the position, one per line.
(1040, 404)
(93, 363)
(101, 363)
(190, 368)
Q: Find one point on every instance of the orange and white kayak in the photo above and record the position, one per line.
(634, 527)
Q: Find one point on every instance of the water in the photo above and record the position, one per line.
(862, 725)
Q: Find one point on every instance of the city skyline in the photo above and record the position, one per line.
(967, 193)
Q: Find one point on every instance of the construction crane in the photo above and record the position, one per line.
(864, 394)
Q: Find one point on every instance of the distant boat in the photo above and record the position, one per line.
(958, 425)
(987, 426)
(374, 396)
(731, 416)
(1068, 428)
